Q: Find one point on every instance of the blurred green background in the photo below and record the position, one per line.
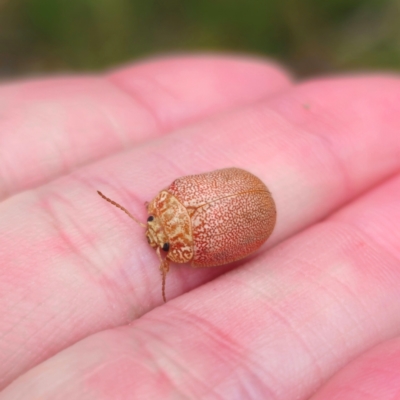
(308, 36)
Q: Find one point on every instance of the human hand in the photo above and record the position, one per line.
(82, 314)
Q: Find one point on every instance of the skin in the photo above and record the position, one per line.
(82, 315)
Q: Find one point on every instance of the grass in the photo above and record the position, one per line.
(309, 36)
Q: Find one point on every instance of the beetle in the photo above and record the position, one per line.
(208, 219)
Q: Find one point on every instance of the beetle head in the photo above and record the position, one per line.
(155, 233)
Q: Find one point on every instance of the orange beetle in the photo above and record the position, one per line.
(208, 219)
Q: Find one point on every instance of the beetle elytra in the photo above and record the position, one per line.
(208, 219)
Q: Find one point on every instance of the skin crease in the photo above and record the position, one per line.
(82, 315)
(372, 376)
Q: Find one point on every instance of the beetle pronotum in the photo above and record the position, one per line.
(208, 219)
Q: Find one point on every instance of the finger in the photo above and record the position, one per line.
(76, 265)
(373, 376)
(184, 89)
(49, 127)
(278, 327)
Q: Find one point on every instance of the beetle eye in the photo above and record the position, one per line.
(150, 218)
(165, 247)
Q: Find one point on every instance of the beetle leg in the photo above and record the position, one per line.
(164, 268)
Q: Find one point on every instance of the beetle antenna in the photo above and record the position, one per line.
(164, 268)
(164, 276)
(121, 208)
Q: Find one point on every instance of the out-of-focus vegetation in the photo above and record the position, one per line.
(309, 36)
